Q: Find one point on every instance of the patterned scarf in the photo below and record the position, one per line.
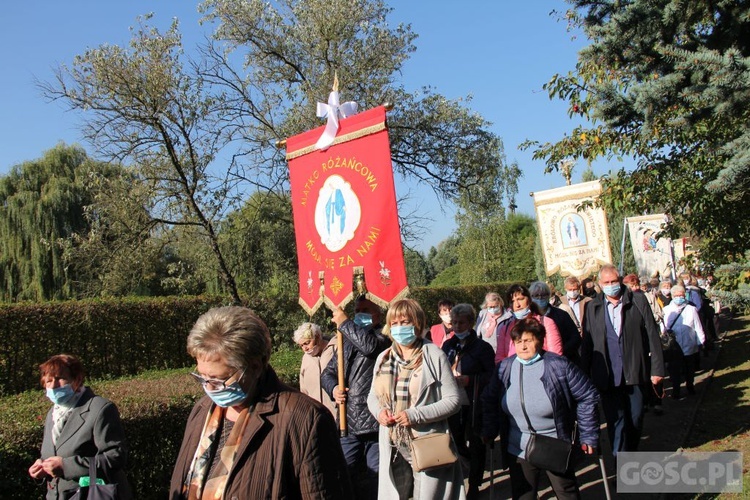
(197, 486)
(392, 386)
(60, 414)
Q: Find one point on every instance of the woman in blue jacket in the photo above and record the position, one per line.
(556, 394)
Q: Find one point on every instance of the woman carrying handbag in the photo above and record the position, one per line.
(412, 395)
(535, 400)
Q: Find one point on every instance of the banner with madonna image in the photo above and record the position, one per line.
(345, 214)
(575, 243)
(653, 254)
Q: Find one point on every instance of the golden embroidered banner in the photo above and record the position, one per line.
(574, 243)
(652, 255)
(345, 215)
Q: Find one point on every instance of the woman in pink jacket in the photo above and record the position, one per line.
(519, 300)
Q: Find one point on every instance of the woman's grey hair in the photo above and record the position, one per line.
(491, 297)
(307, 331)
(464, 311)
(234, 333)
(539, 288)
(677, 288)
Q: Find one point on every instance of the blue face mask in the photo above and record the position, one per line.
(403, 335)
(542, 303)
(494, 310)
(60, 395)
(611, 290)
(522, 313)
(679, 300)
(231, 395)
(363, 319)
(531, 361)
(463, 335)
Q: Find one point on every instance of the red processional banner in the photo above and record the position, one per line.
(345, 215)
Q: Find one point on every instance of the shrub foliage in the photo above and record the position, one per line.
(113, 338)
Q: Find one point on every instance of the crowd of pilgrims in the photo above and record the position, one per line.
(534, 362)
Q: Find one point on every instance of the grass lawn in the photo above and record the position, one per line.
(722, 421)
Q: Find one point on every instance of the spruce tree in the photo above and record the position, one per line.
(668, 83)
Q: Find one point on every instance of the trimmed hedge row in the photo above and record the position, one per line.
(113, 338)
(121, 337)
(154, 408)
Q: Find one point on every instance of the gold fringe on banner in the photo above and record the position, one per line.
(382, 303)
(290, 155)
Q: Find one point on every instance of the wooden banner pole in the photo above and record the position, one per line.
(342, 383)
(340, 358)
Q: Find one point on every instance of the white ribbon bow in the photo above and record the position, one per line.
(332, 110)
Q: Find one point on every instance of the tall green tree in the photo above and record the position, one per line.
(198, 125)
(43, 207)
(291, 51)
(418, 269)
(260, 245)
(487, 243)
(125, 251)
(667, 83)
(149, 106)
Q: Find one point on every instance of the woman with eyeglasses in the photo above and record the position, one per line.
(252, 436)
(79, 426)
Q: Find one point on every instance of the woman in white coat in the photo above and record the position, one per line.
(682, 318)
(413, 393)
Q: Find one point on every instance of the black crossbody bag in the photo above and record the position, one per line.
(668, 337)
(545, 452)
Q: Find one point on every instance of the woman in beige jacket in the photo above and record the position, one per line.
(318, 352)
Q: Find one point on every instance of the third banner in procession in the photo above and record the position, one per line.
(653, 255)
(575, 243)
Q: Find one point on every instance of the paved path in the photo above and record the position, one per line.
(665, 432)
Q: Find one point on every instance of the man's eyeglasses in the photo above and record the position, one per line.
(214, 384)
(539, 296)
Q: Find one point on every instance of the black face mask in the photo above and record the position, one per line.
(590, 292)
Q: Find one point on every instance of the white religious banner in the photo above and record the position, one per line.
(653, 255)
(575, 243)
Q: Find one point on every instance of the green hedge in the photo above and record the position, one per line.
(120, 337)
(154, 408)
(113, 338)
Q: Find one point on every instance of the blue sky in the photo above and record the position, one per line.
(499, 52)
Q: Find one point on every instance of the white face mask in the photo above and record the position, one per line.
(446, 318)
(572, 294)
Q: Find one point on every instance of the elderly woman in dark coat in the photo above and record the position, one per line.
(251, 436)
(557, 393)
(472, 362)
